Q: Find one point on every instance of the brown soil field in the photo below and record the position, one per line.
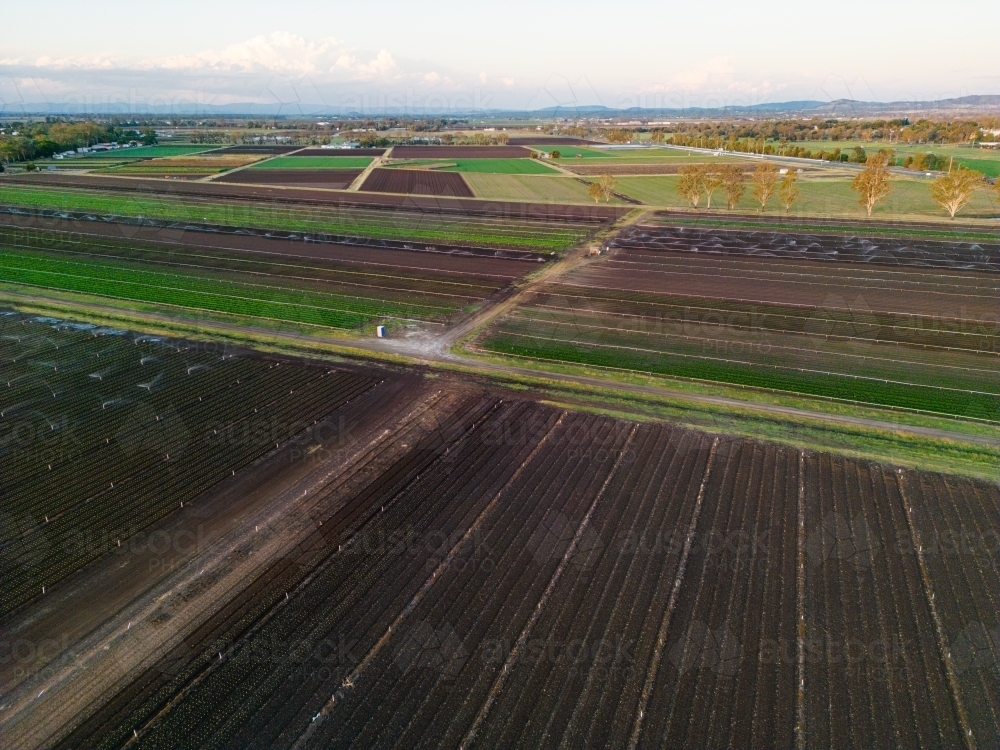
(229, 161)
(416, 181)
(958, 294)
(492, 572)
(302, 196)
(262, 150)
(332, 179)
(459, 152)
(554, 141)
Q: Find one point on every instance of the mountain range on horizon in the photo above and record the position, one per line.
(972, 104)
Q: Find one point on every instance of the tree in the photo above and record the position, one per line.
(555, 153)
(607, 183)
(149, 137)
(765, 182)
(858, 155)
(734, 183)
(952, 191)
(689, 186)
(595, 192)
(788, 190)
(710, 182)
(873, 184)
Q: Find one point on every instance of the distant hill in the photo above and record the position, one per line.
(976, 104)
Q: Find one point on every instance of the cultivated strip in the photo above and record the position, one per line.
(352, 679)
(661, 635)
(943, 647)
(515, 652)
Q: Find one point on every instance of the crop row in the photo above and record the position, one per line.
(402, 224)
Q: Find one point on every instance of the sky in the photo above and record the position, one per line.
(443, 56)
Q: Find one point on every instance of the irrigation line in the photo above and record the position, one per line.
(522, 639)
(352, 679)
(942, 640)
(668, 613)
(800, 607)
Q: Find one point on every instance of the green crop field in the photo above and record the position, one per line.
(355, 222)
(323, 293)
(478, 166)
(316, 162)
(149, 152)
(572, 152)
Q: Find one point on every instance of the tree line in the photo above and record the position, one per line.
(27, 141)
(873, 184)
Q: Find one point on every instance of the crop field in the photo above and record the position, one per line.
(327, 179)
(872, 322)
(315, 162)
(512, 187)
(338, 153)
(459, 152)
(525, 577)
(259, 150)
(270, 281)
(407, 222)
(106, 432)
(487, 166)
(416, 181)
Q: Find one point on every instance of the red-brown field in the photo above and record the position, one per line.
(331, 179)
(417, 181)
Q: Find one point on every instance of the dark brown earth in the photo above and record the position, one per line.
(332, 179)
(420, 181)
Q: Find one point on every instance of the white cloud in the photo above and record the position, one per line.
(279, 51)
(378, 67)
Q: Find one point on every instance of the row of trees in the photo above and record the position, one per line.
(900, 130)
(28, 141)
(697, 180)
(873, 184)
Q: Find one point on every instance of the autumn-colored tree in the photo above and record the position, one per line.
(607, 184)
(689, 186)
(873, 184)
(595, 192)
(502, 139)
(734, 183)
(788, 190)
(952, 191)
(765, 182)
(710, 182)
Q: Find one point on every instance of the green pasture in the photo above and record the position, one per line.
(910, 197)
(530, 188)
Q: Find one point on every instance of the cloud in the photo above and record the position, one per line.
(379, 66)
(281, 51)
